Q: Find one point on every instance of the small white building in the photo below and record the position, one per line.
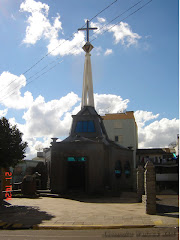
(122, 128)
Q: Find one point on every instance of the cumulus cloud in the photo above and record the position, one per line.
(10, 95)
(158, 133)
(48, 119)
(108, 52)
(122, 32)
(67, 47)
(143, 116)
(53, 118)
(109, 103)
(35, 146)
(44, 120)
(39, 26)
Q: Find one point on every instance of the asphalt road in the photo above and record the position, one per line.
(125, 234)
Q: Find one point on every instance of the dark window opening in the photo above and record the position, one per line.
(127, 169)
(85, 126)
(116, 139)
(118, 169)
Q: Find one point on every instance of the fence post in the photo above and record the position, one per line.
(150, 188)
(140, 182)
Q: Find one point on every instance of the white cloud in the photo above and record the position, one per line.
(35, 145)
(101, 20)
(34, 6)
(3, 112)
(108, 52)
(159, 133)
(156, 134)
(39, 26)
(65, 47)
(51, 118)
(143, 116)
(100, 25)
(10, 95)
(106, 103)
(109, 103)
(44, 120)
(122, 32)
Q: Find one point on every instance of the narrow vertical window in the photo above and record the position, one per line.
(116, 139)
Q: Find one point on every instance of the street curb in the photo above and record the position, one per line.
(19, 226)
(88, 227)
(10, 226)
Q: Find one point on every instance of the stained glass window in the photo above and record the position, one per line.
(85, 126)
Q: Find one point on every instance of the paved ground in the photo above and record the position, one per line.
(76, 213)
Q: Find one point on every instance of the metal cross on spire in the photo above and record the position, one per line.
(87, 29)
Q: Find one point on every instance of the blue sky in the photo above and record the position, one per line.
(135, 66)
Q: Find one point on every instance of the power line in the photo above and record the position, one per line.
(8, 95)
(123, 18)
(116, 18)
(82, 41)
(77, 30)
(120, 20)
(36, 63)
(102, 10)
(13, 91)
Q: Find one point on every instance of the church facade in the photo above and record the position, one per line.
(88, 161)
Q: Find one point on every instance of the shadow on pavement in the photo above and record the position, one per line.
(22, 214)
(168, 206)
(167, 210)
(121, 198)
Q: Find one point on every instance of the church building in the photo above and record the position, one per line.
(87, 160)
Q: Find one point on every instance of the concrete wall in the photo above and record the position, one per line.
(122, 183)
(100, 166)
(94, 165)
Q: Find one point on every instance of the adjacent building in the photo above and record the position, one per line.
(122, 128)
(166, 166)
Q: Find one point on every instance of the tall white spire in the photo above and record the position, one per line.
(87, 91)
